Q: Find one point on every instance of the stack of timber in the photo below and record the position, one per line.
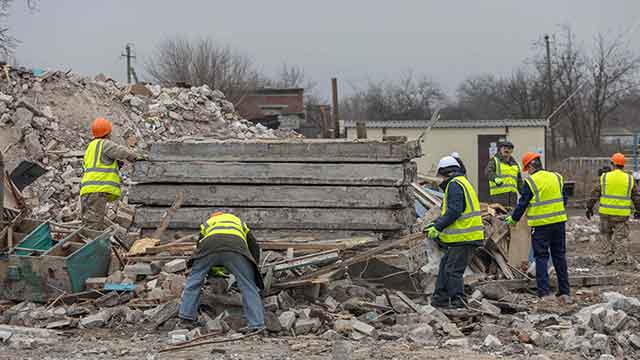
(283, 187)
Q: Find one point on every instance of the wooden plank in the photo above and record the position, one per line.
(167, 215)
(362, 257)
(271, 195)
(275, 173)
(307, 150)
(287, 218)
(575, 281)
(306, 260)
(519, 243)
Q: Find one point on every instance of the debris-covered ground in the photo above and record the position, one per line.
(347, 321)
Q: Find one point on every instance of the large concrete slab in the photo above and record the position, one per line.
(275, 173)
(271, 195)
(298, 150)
(287, 218)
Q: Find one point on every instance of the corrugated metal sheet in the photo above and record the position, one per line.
(444, 124)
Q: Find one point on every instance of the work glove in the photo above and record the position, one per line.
(589, 213)
(509, 220)
(432, 232)
(498, 181)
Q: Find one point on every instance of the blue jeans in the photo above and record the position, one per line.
(241, 268)
(550, 239)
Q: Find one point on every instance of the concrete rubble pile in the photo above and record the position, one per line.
(46, 119)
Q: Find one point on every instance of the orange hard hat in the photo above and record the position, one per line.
(101, 127)
(528, 157)
(216, 213)
(617, 159)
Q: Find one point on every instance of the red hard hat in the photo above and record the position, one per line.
(617, 159)
(528, 157)
(101, 127)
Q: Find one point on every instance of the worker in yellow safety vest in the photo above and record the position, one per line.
(504, 175)
(101, 178)
(458, 230)
(616, 191)
(543, 197)
(225, 242)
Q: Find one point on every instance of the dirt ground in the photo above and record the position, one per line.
(142, 342)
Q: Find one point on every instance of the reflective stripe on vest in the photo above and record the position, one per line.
(467, 227)
(508, 174)
(225, 224)
(615, 190)
(99, 177)
(547, 205)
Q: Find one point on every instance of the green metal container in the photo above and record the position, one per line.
(41, 268)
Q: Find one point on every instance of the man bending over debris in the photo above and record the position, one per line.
(101, 180)
(544, 199)
(226, 241)
(458, 230)
(616, 191)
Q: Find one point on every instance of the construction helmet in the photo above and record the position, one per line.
(445, 162)
(528, 157)
(617, 159)
(101, 127)
(505, 143)
(216, 213)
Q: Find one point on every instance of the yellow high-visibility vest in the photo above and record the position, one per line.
(547, 205)
(468, 227)
(99, 177)
(226, 224)
(615, 193)
(508, 174)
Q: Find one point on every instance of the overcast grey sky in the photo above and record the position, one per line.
(351, 39)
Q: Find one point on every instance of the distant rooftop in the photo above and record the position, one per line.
(444, 124)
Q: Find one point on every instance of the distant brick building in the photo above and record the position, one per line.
(267, 105)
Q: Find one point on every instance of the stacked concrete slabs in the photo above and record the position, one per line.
(281, 187)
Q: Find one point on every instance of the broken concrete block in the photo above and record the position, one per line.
(342, 350)
(490, 308)
(216, 325)
(635, 341)
(363, 328)
(59, 324)
(166, 312)
(422, 335)
(600, 342)
(133, 316)
(95, 283)
(175, 266)
(271, 303)
(457, 343)
(138, 269)
(178, 336)
(305, 326)
(607, 357)
(330, 335)
(331, 303)
(451, 329)
(96, 320)
(343, 326)
(5, 335)
(491, 342)
(287, 319)
(614, 320)
(596, 321)
(477, 295)
(272, 322)
(7, 99)
(194, 333)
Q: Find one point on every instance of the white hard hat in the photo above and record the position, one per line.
(455, 154)
(446, 162)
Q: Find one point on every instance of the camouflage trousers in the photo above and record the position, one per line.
(93, 208)
(614, 235)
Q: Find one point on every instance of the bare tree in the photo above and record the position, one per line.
(596, 81)
(202, 61)
(519, 96)
(8, 43)
(409, 98)
(293, 76)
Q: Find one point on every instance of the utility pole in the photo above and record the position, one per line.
(1, 186)
(336, 122)
(550, 97)
(128, 56)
